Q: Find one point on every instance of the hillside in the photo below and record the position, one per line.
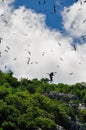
(37, 104)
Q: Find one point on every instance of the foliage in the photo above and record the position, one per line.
(32, 104)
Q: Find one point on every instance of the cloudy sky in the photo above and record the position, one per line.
(43, 37)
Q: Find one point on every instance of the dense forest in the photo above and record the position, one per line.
(40, 105)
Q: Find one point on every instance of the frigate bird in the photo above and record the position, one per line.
(84, 21)
(74, 47)
(51, 76)
(1, 39)
(71, 73)
(54, 8)
(59, 43)
(61, 58)
(14, 59)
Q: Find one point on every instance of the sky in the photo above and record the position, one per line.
(37, 38)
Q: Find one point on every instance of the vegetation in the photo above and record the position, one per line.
(33, 104)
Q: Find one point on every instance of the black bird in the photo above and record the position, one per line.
(5, 66)
(43, 53)
(85, 1)
(14, 59)
(28, 52)
(57, 66)
(61, 58)
(0, 54)
(1, 39)
(5, 21)
(6, 50)
(84, 21)
(74, 47)
(44, 2)
(68, 10)
(39, 2)
(71, 73)
(8, 47)
(54, 8)
(83, 37)
(59, 43)
(28, 60)
(51, 76)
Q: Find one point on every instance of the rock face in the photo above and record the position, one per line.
(59, 95)
(60, 127)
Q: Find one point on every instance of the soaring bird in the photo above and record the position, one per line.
(83, 37)
(74, 47)
(54, 8)
(59, 43)
(6, 50)
(8, 47)
(39, 2)
(14, 59)
(71, 73)
(61, 58)
(51, 75)
(5, 21)
(1, 39)
(84, 21)
(44, 2)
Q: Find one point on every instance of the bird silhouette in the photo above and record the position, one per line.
(61, 58)
(14, 59)
(44, 2)
(5, 66)
(8, 47)
(59, 43)
(71, 73)
(74, 47)
(84, 21)
(6, 50)
(51, 76)
(1, 40)
(54, 7)
(5, 21)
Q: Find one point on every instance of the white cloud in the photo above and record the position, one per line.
(26, 31)
(74, 19)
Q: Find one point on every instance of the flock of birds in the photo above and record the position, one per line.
(51, 74)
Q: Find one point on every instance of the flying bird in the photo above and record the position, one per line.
(61, 58)
(74, 47)
(28, 52)
(28, 60)
(54, 7)
(5, 66)
(71, 73)
(44, 2)
(36, 62)
(6, 50)
(59, 43)
(1, 39)
(68, 10)
(84, 21)
(5, 21)
(83, 37)
(43, 53)
(39, 2)
(8, 47)
(85, 1)
(51, 76)
(14, 59)
(0, 54)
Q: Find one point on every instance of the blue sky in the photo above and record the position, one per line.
(39, 49)
(53, 20)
